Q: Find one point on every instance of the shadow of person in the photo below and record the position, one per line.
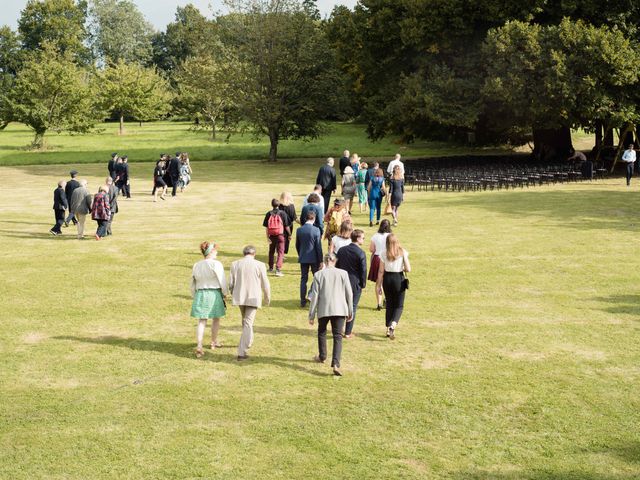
(186, 350)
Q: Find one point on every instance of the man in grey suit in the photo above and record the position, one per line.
(248, 284)
(332, 300)
(80, 206)
(113, 202)
(309, 248)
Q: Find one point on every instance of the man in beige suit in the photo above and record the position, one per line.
(332, 300)
(248, 283)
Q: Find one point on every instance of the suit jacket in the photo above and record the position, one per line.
(309, 244)
(327, 178)
(81, 201)
(331, 294)
(174, 168)
(112, 168)
(71, 186)
(60, 199)
(352, 260)
(113, 199)
(344, 163)
(248, 282)
(319, 215)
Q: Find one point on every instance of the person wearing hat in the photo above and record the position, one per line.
(112, 165)
(68, 191)
(629, 157)
(208, 287)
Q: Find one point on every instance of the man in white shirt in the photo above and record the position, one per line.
(393, 163)
(629, 157)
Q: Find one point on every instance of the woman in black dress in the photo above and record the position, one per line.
(396, 189)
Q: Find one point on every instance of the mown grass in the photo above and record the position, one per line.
(516, 358)
(145, 143)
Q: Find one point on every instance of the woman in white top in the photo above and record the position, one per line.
(376, 247)
(394, 261)
(208, 285)
(343, 238)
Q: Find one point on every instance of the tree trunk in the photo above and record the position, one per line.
(38, 141)
(608, 137)
(273, 150)
(552, 143)
(121, 124)
(213, 130)
(598, 134)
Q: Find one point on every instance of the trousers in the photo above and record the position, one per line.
(246, 339)
(276, 244)
(304, 278)
(337, 324)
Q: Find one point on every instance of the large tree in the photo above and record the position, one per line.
(208, 88)
(51, 92)
(58, 23)
(131, 90)
(287, 69)
(190, 35)
(119, 32)
(558, 77)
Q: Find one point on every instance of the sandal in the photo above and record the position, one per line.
(199, 353)
(215, 345)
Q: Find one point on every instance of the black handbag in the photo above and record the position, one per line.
(404, 285)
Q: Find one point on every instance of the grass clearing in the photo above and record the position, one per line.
(516, 358)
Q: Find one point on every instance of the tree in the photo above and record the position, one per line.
(51, 92)
(119, 32)
(207, 88)
(57, 23)
(135, 91)
(9, 51)
(190, 35)
(553, 78)
(287, 69)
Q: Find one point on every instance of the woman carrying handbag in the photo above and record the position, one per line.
(394, 264)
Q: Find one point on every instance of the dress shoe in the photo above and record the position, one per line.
(242, 357)
(318, 359)
(337, 372)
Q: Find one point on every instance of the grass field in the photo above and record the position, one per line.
(145, 143)
(517, 357)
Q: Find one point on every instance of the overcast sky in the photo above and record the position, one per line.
(158, 12)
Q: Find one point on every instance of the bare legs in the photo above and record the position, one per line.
(202, 325)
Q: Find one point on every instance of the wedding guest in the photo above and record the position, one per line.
(394, 262)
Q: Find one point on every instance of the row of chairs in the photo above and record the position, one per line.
(495, 178)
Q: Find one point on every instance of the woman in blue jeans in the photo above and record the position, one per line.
(376, 192)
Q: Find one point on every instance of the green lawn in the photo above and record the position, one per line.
(145, 143)
(517, 357)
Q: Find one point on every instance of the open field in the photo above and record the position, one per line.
(518, 356)
(144, 144)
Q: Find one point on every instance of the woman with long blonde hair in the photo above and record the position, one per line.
(394, 262)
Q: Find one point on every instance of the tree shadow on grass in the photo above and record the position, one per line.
(186, 350)
(621, 304)
(584, 209)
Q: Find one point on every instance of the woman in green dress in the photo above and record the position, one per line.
(362, 188)
(208, 285)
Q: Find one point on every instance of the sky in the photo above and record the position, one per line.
(158, 12)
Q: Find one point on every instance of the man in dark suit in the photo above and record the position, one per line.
(60, 204)
(126, 182)
(309, 248)
(68, 191)
(327, 178)
(112, 165)
(352, 259)
(344, 161)
(174, 173)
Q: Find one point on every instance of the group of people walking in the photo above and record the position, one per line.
(339, 276)
(73, 196)
(174, 172)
